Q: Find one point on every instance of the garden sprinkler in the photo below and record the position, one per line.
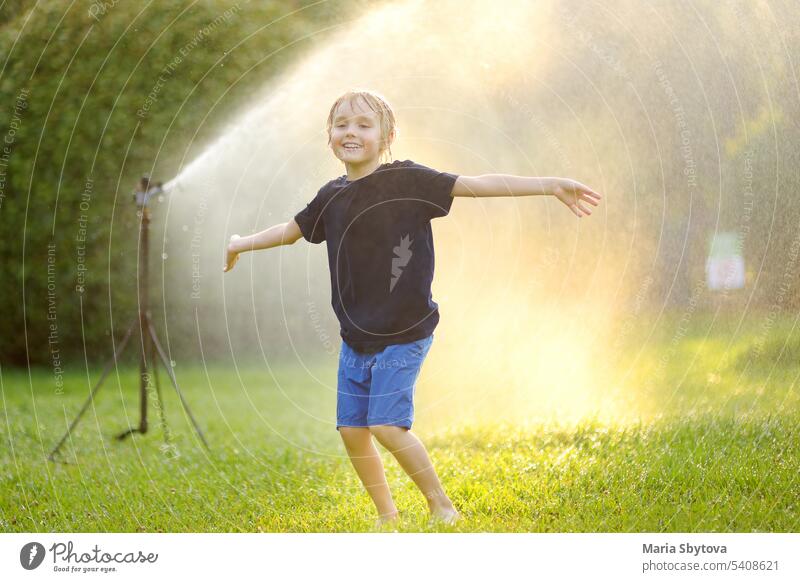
(150, 345)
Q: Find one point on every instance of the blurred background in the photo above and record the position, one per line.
(683, 114)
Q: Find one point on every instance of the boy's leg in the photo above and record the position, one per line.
(391, 413)
(412, 456)
(352, 404)
(367, 463)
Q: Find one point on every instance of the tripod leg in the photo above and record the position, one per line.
(171, 375)
(107, 369)
(162, 412)
(144, 378)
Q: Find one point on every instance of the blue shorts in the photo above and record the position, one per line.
(378, 388)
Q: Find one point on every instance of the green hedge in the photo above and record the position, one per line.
(88, 91)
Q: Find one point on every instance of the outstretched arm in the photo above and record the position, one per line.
(571, 192)
(280, 234)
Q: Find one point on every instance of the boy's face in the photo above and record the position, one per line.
(356, 134)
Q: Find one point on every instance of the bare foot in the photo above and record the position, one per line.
(387, 519)
(441, 507)
(448, 516)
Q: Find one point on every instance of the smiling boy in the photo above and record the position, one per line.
(376, 222)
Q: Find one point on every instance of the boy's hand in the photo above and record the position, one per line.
(574, 194)
(232, 254)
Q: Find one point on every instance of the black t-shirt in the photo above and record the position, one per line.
(380, 250)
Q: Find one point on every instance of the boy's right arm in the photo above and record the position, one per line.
(280, 234)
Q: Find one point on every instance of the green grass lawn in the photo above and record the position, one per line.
(714, 447)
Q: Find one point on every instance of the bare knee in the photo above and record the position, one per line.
(355, 438)
(391, 437)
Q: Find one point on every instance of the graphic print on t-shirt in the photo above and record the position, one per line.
(402, 256)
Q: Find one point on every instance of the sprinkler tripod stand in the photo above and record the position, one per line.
(150, 345)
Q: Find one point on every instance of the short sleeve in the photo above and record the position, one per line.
(434, 189)
(310, 219)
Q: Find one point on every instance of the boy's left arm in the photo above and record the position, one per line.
(571, 192)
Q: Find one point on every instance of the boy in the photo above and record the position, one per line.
(376, 221)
